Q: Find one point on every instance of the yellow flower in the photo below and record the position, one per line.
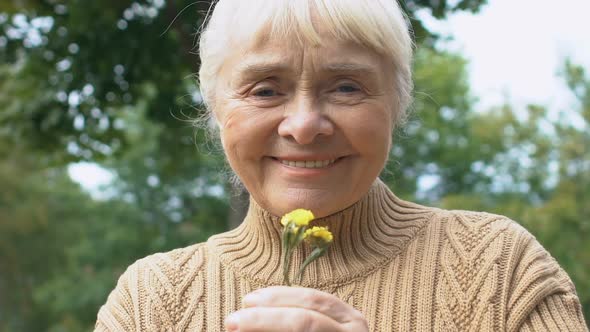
(320, 239)
(295, 223)
(319, 236)
(299, 217)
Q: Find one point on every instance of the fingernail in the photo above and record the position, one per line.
(231, 323)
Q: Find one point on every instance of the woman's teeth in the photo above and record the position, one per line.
(308, 163)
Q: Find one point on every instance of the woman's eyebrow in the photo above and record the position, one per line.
(261, 67)
(248, 71)
(349, 68)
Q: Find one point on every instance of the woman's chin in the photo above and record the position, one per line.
(321, 202)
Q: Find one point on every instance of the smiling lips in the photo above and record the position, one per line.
(307, 163)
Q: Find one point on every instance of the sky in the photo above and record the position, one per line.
(92, 178)
(515, 50)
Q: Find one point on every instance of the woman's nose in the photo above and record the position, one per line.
(304, 122)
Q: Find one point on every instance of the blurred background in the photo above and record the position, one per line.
(101, 164)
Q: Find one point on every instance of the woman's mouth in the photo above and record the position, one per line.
(319, 162)
(307, 163)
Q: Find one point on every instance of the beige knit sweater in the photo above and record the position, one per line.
(406, 267)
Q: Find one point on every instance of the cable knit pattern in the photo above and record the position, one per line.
(406, 267)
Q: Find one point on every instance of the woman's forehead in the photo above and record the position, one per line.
(333, 56)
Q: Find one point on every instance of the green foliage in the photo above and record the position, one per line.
(438, 9)
(112, 82)
(89, 60)
(435, 141)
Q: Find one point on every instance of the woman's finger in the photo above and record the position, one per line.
(305, 298)
(280, 319)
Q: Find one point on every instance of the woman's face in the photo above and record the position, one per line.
(305, 127)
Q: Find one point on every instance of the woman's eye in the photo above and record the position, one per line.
(348, 88)
(265, 93)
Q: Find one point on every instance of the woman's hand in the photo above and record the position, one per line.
(281, 308)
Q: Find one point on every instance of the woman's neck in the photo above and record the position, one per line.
(367, 235)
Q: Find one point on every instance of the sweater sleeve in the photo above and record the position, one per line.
(121, 310)
(560, 312)
(542, 296)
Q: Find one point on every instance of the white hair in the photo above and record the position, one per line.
(378, 25)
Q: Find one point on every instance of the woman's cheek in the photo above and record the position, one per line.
(244, 134)
(370, 129)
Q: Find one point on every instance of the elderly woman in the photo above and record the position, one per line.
(306, 95)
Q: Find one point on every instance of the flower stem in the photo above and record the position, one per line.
(286, 266)
(315, 254)
(286, 252)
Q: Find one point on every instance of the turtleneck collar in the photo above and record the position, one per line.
(367, 235)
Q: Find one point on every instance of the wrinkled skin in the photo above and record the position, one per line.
(277, 101)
